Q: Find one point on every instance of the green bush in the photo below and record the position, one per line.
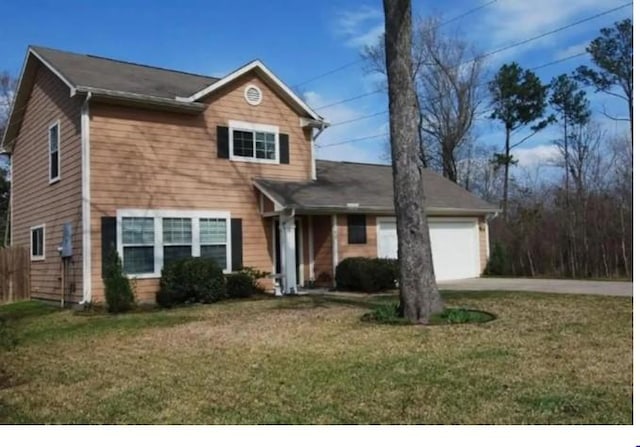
(255, 276)
(497, 264)
(191, 280)
(388, 313)
(117, 288)
(367, 275)
(239, 285)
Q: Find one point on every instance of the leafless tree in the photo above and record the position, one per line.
(419, 295)
(447, 74)
(7, 91)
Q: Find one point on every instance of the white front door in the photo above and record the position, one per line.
(454, 245)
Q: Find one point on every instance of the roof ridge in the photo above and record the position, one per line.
(356, 163)
(36, 47)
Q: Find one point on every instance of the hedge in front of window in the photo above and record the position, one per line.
(191, 280)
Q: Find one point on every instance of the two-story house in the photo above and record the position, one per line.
(162, 164)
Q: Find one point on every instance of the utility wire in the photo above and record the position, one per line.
(370, 137)
(357, 61)
(493, 52)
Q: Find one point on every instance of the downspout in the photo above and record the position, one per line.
(321, 129)
(86, 201)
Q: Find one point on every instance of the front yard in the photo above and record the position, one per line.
(546, 359)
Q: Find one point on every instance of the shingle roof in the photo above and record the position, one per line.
(96, 72)
(370, 186)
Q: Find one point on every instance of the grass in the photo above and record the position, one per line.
(546, 359)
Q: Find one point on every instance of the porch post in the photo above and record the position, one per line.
(288, 254)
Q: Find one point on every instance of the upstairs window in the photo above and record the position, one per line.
(54, 152)
(254, 142)
(357, 224)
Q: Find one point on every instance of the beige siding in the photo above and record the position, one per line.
(347, 250)
(322, 249)
(161, 160)
(35, 201)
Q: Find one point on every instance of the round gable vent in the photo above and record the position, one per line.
(253, 95)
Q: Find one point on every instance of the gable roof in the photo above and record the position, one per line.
(85, 71)
(117, 80)
(341, 185)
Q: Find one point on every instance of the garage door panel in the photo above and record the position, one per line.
(454, 245)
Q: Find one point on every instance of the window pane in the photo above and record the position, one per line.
(37, 242)
(265, 146)
(176, 230)
(138, 260)
(242, 143)
(213, 231)
(53, 139)
(176, 252)
(137, 230)
(54, 165)
(357, 226)
(216, 252)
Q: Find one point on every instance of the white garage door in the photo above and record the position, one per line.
(454, 244)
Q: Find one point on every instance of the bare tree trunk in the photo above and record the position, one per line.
(419, 295)
(623, 244)
(505, 190)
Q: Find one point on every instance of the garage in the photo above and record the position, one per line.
(454, 244)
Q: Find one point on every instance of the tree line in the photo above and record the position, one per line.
(576, 222)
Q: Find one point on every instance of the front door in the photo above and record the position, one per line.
(278, 251)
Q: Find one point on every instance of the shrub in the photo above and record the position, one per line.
(191, 280)
(239, 285)
(497, 264)
(255, 276)
(386, 313)
(117, 288)
(366, 274)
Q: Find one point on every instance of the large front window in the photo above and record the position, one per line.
(254, 142)
(151, 239)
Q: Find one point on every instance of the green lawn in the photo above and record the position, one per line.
(546, 359)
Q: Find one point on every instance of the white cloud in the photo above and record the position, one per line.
(571, 50)
(360, 27)
(541, 155)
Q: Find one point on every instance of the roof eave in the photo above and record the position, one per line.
(138, 99)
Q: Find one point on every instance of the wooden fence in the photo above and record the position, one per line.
(15, 281)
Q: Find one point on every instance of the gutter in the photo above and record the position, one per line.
(141, 99)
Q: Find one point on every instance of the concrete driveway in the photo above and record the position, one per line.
(614, 288)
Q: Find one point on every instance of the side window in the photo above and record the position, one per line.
(357, 228)
(37, 243)
(54, 152)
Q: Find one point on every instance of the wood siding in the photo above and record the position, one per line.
(160, 160)
(347, 250)
(322, 248)
(35, 201)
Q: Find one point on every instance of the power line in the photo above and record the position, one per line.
(357, 61)
(493, 52)
(370, 137)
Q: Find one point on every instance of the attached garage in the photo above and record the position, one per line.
(455, 245)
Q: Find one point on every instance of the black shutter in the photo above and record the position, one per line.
(357, 228)
(236, 244)
(284, 149)
(109, 239)
(223, 142)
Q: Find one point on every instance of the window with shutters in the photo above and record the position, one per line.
(54, 152)
(147, 240)
(357, 225)
(37, 243)
(253, 142)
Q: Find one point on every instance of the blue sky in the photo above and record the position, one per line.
(299, 40)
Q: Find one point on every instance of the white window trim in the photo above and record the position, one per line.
(158, 252)
(254, 127)
(44, 238)
(55, 179)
